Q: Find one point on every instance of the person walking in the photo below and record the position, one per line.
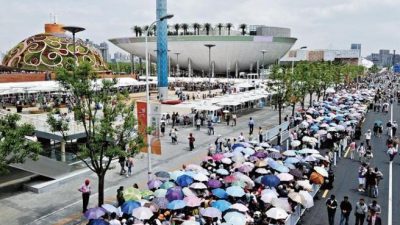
(394, 128)
(162, 128)
(361, 152)
(174, 136)
(331, 205)
(260, 134)
(374, 219)
(368, 137)
(121, 161)
(129, 164)
(234, 117)
(251, 125)
(198, 123)
(85, 189)
(345, 207)
(392, 153)
(191, 142)
(120, 196)
(352, 149)
(361, 177)
(227, 118)
(361, 210)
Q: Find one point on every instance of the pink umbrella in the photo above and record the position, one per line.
(230, 179)
(218, 157)
(192, 201)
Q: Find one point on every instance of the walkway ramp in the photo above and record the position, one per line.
(45, 167)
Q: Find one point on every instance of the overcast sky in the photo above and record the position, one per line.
(318, 24)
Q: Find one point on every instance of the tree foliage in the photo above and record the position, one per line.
(107, 119)
(14, 147)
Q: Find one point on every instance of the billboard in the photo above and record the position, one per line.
(155, 115)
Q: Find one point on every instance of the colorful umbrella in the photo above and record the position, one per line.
(161, 202)
(128, 206)
(316, 178)
(176, 204)
(211, 212)
(230, 179)
(190, 222)
(94, 213)
(227, 161)
(220, 193)
(262, 171)
(146, 194)
(174, 193)
(192, 201)
(235, 191)
(222, 205)
(295, 143)
(235, 218)
(142, 213)
(270, 180)
(184, 180)
(110, 208)
(261, 163)
(218, 156)
(153, 184)
(132, 194)
(213, 183)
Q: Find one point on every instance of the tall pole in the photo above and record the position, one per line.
(149, 171)
(177, 63)
(209, 46)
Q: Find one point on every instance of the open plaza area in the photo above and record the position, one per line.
(199, 113)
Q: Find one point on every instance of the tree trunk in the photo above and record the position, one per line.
(100, 177)
(293, 108)
(303, 101)
(310, 99)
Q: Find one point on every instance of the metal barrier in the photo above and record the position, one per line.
(298, 211)
(273, 132)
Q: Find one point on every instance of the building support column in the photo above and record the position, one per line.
(62, 150)
(213, 69)
(190, 67)
(258, 67)
(236, 69)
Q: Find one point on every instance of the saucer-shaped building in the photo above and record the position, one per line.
(51, 50)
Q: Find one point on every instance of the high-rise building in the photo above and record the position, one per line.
(103, 47)
(355, 46)
(384, 58)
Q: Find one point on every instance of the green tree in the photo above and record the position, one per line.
(14, 147)
(207, 28)
(185, 28)
(107, 119)
(196, 28)
(220, 26)
(177, 26)
(136, 29)
(229, 26)
(374, 69)
(243, 28)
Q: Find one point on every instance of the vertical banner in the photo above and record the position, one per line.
(155, 116)
(142, 121)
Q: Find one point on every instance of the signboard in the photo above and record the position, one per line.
(155, 115)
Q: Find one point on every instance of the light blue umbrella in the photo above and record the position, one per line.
(222, 205)
(292, 160)
(167, 185)
(277, 166)
(184, 180)
(220, 193)
(128, 206)
(235, 218)
(222, 172)
(248, 151)
(235, 191)
(175, 174)
(176, 204)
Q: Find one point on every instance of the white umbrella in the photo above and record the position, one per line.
(289, 153)
(198, 186)
(200, 177)
(308, 199)
(187, 192)
(262, 171)
(226, 161)
(277, 214)
(295, 143)
(305, 184)
(285, 176)
(321, 171)
(190, 222)
(142, 213)
(282, 203)
(240, 207)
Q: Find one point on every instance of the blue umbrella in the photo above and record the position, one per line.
(277, 166)
(94, 213)
(184, 180)
(314, 128)
(235, 191)
(174, 193)
(270, 180)
(98, 222)
(222, 171)
(237, 145)
(128, 206)
(176, 204)
(235, 218)
(222, 205)
(292, 160)
(220, 193)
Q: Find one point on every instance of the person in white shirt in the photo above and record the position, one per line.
(86, 190)
(241, 137)
(114, 220)
(368, 137)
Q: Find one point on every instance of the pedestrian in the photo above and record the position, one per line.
(121, 161)
(331, 205)
(345, 207)
(251, 125)
(361, 152)
(234, 117)
(191, 142)
(218, 147)
(374, 218)
(374, 206)
(227, 118)
(162, 128)
(120, 196)
(241, 137)
(85, 189)
(361, 177)
(392, 153)
(394, 128)
(368, 137)
(379, 175)
(361, 210)
(198, 123)
(114, 220)
(260, 134)
(210, 127)
(370, 179)
(174, 136)
(352, 149)
(129, 165)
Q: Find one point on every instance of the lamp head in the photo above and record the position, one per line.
(166, 17)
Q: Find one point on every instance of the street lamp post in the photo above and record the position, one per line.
(263, 66)
(73, 30)
(169, 16)
(209, 46)
(177, 63)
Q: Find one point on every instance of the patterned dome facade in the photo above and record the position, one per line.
(48, 51)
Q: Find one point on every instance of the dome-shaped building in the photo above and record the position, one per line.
(51, 50)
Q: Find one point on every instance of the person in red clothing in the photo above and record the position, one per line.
(191, 142)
